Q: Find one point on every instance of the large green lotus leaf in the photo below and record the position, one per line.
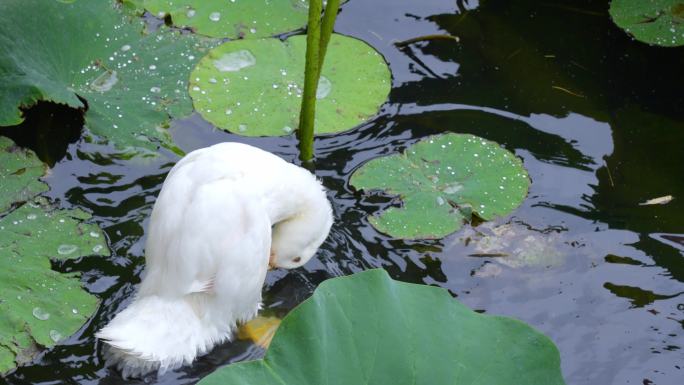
(232, 18)
(19, 173)
(39, 306)
(442, 181)
(659, 22)
(254, 87)
(87, 52)
(369, 329)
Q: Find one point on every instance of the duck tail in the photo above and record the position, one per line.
(156, 333)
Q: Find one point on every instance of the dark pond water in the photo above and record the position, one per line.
(598, 120)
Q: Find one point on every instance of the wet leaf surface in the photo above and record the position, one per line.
(233, 19)
(20, 171)
(40, 307)
(254, 87)
(442, 182)
(88, 55)
(659, 22)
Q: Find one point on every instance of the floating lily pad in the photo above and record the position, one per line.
(38, 306)
(19, 173)
(659, 22)
(254, 87)
(232, 18)
(87, 53)
(370, 329)
(442, 181)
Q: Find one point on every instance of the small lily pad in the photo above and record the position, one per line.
(39, 307)
(442, 182)
(659, 22)
(19, 173)
(254, 87)
(87, 53)
(231, 18)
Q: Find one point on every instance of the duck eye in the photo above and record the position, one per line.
(296, 259)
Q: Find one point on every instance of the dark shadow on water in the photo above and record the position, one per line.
(47, 129)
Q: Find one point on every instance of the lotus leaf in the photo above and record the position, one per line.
(19, 173)
(370, 329)
(254, 87)
(39, 306)
(659, 22)
(231, 18)
(442, 181)
(88, 55)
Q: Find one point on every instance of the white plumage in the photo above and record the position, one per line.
(222, 211)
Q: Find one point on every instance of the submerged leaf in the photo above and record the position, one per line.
(19, 173)
(659, 22)
(370, 329)
(233, 19)
(442, 181)
(86, 54)
(254, 87)
(39, 306)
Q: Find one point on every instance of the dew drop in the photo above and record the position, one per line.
(104, 82)
(235, 61)
(95, 234)
(190, 13)
(324, 88)
(66, 249)
(156, 90)
(55, 335)
(242, 128)
(215, 16)
(125, 48)
(287, 129)
(97, 248)
(40, 314)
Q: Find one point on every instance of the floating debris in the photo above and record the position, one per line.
(658, 201)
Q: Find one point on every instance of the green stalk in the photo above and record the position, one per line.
(327, 26)
(317, 37)
(308, 110)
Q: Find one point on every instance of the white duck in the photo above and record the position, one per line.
(224, 214)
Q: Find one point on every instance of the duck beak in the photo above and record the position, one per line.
(271, 262)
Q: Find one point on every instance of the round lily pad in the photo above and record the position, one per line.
(39, 307)
(659, 22)
(442, 181)
(232, 18)
(254, 87)
(87, 53)
(19, 173)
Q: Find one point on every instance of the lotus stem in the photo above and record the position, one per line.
(317, 38)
